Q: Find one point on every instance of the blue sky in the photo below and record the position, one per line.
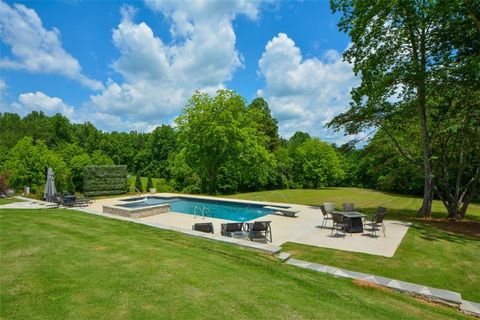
(133, 65)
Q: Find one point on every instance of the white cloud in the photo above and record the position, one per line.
(160, 77)
(304, 94)
(36, 49)
(39, 101)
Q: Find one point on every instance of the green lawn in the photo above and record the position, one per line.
(400, 206)
(59, 264)
(8, 200)
(427, 256)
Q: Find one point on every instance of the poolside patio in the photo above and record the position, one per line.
(305, 228)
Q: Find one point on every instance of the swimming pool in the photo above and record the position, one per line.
(233, 211)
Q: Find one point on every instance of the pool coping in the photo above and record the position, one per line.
(121, 209)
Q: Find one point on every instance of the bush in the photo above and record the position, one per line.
(70, 185)
(163, 186)
(3, 183)
(105, 180)
(149, 183)
(138, 184)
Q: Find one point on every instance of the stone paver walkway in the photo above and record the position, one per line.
(28, 203)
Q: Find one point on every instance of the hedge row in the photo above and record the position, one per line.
(105, 180)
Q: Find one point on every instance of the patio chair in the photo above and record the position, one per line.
(228, 228)
(260, 230)
(339, 223)
(348, 207)
(376, 222)
(326, 217)
(206, 227)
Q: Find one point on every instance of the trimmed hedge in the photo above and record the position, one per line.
(105, 180)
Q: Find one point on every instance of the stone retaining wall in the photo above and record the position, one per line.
(137, 212)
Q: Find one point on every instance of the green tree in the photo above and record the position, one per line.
(221, 141)
(77, 165)
(267, 125)
(26, 164)
(149, 183)
(397, 50)
(319, 164)
(138, 184)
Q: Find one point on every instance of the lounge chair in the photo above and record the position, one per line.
(229, 228)
(326, 217)
(348, 207)
(206, 227)
(260, 230)
(376, 222)
(339, 223)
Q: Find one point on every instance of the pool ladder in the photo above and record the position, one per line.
(201, 212)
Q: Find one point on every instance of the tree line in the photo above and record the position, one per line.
(219, 144)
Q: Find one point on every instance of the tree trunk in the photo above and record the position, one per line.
(426, 209)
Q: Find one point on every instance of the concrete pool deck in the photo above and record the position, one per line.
(303, 229)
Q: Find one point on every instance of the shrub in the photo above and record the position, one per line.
(138, 184)
(105, 180)
(3, 183)
(70, 186)
(149, 183)
(164, 186)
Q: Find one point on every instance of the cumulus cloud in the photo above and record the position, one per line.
(159, 77)
(36, 49)
(304, 94)
(39, 101)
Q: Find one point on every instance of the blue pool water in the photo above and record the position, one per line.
(211, 208)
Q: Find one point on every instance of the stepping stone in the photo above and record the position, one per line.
(470, 307)
(395, 285)
(414, 288)
(382, 281)
(371, 279)
(283, 256)
(298, 263)
(341, 273)
(357, 275)
(446, 296)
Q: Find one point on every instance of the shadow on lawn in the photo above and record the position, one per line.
(433, 233)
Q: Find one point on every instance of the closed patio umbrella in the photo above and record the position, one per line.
(50, 190)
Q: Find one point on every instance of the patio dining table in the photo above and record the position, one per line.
(355, 220)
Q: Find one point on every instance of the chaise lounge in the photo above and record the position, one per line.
(229, 228)
(260, 230)
(206, 227)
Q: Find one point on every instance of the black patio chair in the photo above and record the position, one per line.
(260, 230)
(206, 227)
(348, 207)
(376, 222)
(326, 216)
(228, 228)
(339, 223)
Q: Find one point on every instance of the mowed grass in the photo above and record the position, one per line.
(427, 256)
(366, 200)
(59, 264)
(8, 200)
